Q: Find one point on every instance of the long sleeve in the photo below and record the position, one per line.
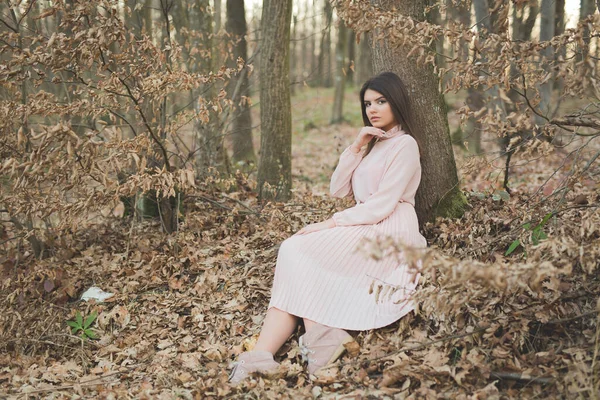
(341, 180)
(398, 173)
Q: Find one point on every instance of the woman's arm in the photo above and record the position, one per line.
(341, 180)
(398, 173)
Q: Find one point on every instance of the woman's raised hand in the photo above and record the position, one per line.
(364, 136)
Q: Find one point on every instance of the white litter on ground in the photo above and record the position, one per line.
(95, 293)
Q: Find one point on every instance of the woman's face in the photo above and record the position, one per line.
(379, 110)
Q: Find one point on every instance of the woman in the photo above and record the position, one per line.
(319, 277)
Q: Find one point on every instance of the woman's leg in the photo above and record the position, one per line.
(277, 328)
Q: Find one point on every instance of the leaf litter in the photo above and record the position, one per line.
(488, 325)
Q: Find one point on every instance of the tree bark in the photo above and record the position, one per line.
(275, 167)
(241, 134)
(337, 114)
(210, 139)
(351, 57)
(364, 66)
(546, 57)
(293, 56)
(439, 193)
(586, 8)
(325, 54)
(314, 61)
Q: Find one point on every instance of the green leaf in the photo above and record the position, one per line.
(504, 195)
(73, 324)
(89, 333)
(74, 330)
(90, 319)
(546, 218)
(496, 197)
(527, 226)
(79, 318)
(512, 247)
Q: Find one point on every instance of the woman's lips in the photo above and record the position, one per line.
(374, 119)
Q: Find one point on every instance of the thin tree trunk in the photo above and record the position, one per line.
(439, 193)
(275, 167)
(314, 61)
(210, 139)
(241, 135)
(586, 8)
(305, 56)
(351, 56)
(149, 19)
(337, 115)
(325, 54)
(546, 57)
(218, 13)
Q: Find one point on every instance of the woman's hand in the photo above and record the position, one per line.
(330, 223)
(364, 136)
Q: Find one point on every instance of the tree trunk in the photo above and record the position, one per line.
(148, 18)
(293, 57)
(275, 167)
(439, 193)
(218, 14)
(241, 135)
(210, 139)
(305, 56)
(586, 8)
(364, 66)
(482, 12)
(337, 115)
(546, 57)
(314, 61)
(351, 57)
(134, 16)
(325, 54)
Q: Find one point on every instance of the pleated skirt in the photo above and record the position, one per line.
(321, 275)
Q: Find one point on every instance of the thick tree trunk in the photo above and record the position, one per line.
(241, 135)
(337, 114)
(364, 66)
(439, 193)
(275, 167)
(293, 57)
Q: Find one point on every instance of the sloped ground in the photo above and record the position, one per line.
(489, 325)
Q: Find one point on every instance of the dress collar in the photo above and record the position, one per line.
(395, 131)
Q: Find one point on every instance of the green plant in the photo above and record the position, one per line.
(83, 326)
(537, 234)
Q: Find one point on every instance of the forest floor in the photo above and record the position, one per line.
(488, 325)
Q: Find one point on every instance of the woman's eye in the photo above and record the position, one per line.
(382, 102)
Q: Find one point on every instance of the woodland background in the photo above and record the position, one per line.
(162, 150)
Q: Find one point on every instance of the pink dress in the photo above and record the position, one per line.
(321, 277)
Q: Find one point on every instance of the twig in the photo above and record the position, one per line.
(240, 203)
(516, 376)
(74, 385)
(562, 320)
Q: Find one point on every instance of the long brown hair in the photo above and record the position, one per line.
(393, 89)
